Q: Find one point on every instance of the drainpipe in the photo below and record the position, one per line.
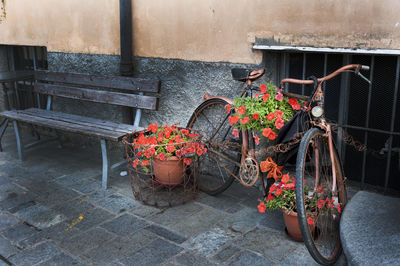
(125, 23)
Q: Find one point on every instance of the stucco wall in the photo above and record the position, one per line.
(207, 30)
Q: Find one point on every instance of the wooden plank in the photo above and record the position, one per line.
(82, 120)
(116, 98)
(21, 115)
(116, 82)
(15, 76)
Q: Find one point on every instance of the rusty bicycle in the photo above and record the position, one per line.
(317, 163)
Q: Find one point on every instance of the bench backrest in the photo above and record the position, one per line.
(125, 91)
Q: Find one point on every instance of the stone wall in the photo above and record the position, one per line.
(183, 84)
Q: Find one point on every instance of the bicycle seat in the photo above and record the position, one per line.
(243, 74)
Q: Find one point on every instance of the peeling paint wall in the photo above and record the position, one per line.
(207, 30)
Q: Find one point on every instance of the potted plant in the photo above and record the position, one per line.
(264, 113)
(282, 196)
(166, 151)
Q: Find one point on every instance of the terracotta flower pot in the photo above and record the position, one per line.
(170, 171)
(292, 225)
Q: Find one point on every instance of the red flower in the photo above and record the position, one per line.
(270, 116)
(235, 132)
(278, 192)
(265, 97)
(263, 88)
(187, 161)
(193, 135)
(272, 135)
(145, 162)
(199, 152)
(242, 110)
(279, 123)
(261, 207)
(256, 116)
(168, 132)
(266, 132)
(170, 148)
(290, 186)
(149, 152)
(178, 139)
(310, 221)
(270, 197)
(320, 203)
(279, 97)
(256, 139)
(272, 188)
(228, 108)
(245, 120)
(339, 209)
(233, 119)
(162, 157)
(296, 106)
(285, 178)
(140, 153)
(292, 101)
(279, 113)
(135, 163)
(153, 127)
(185, 132)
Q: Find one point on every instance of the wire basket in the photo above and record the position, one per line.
(162, 183)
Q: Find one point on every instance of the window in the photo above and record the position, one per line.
(369, 113)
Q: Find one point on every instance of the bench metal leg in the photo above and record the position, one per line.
(18, 137)
(106, 163)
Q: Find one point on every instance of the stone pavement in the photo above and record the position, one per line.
(53, 211)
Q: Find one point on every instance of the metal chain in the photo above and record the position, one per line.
(346, 138)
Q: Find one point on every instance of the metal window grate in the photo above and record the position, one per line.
(370, 113)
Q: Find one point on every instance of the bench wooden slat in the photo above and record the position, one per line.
(116, 82)
(82, 120)
(116, 98)
(21, 115)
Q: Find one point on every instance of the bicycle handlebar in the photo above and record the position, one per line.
(356, 68)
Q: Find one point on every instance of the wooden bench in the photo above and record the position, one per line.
(114, 90)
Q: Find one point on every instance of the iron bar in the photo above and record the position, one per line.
(389, 155)
(343, 106)
(304, 72)
(364, 163)
(325, 70)
(370, 129)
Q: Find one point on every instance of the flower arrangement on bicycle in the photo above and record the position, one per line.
(282, 196)
(165, 144)
(266, 112)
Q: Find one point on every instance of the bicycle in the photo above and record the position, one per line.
(317, 163)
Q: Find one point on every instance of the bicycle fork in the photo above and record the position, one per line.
(331, 155)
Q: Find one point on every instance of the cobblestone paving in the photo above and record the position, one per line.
(53, 211)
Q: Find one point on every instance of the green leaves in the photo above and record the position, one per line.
(263, 104)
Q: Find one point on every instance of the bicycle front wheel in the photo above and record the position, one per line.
(320, 200)
(223, 156)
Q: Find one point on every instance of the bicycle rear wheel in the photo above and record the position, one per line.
(223, 156)
(314, 183)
